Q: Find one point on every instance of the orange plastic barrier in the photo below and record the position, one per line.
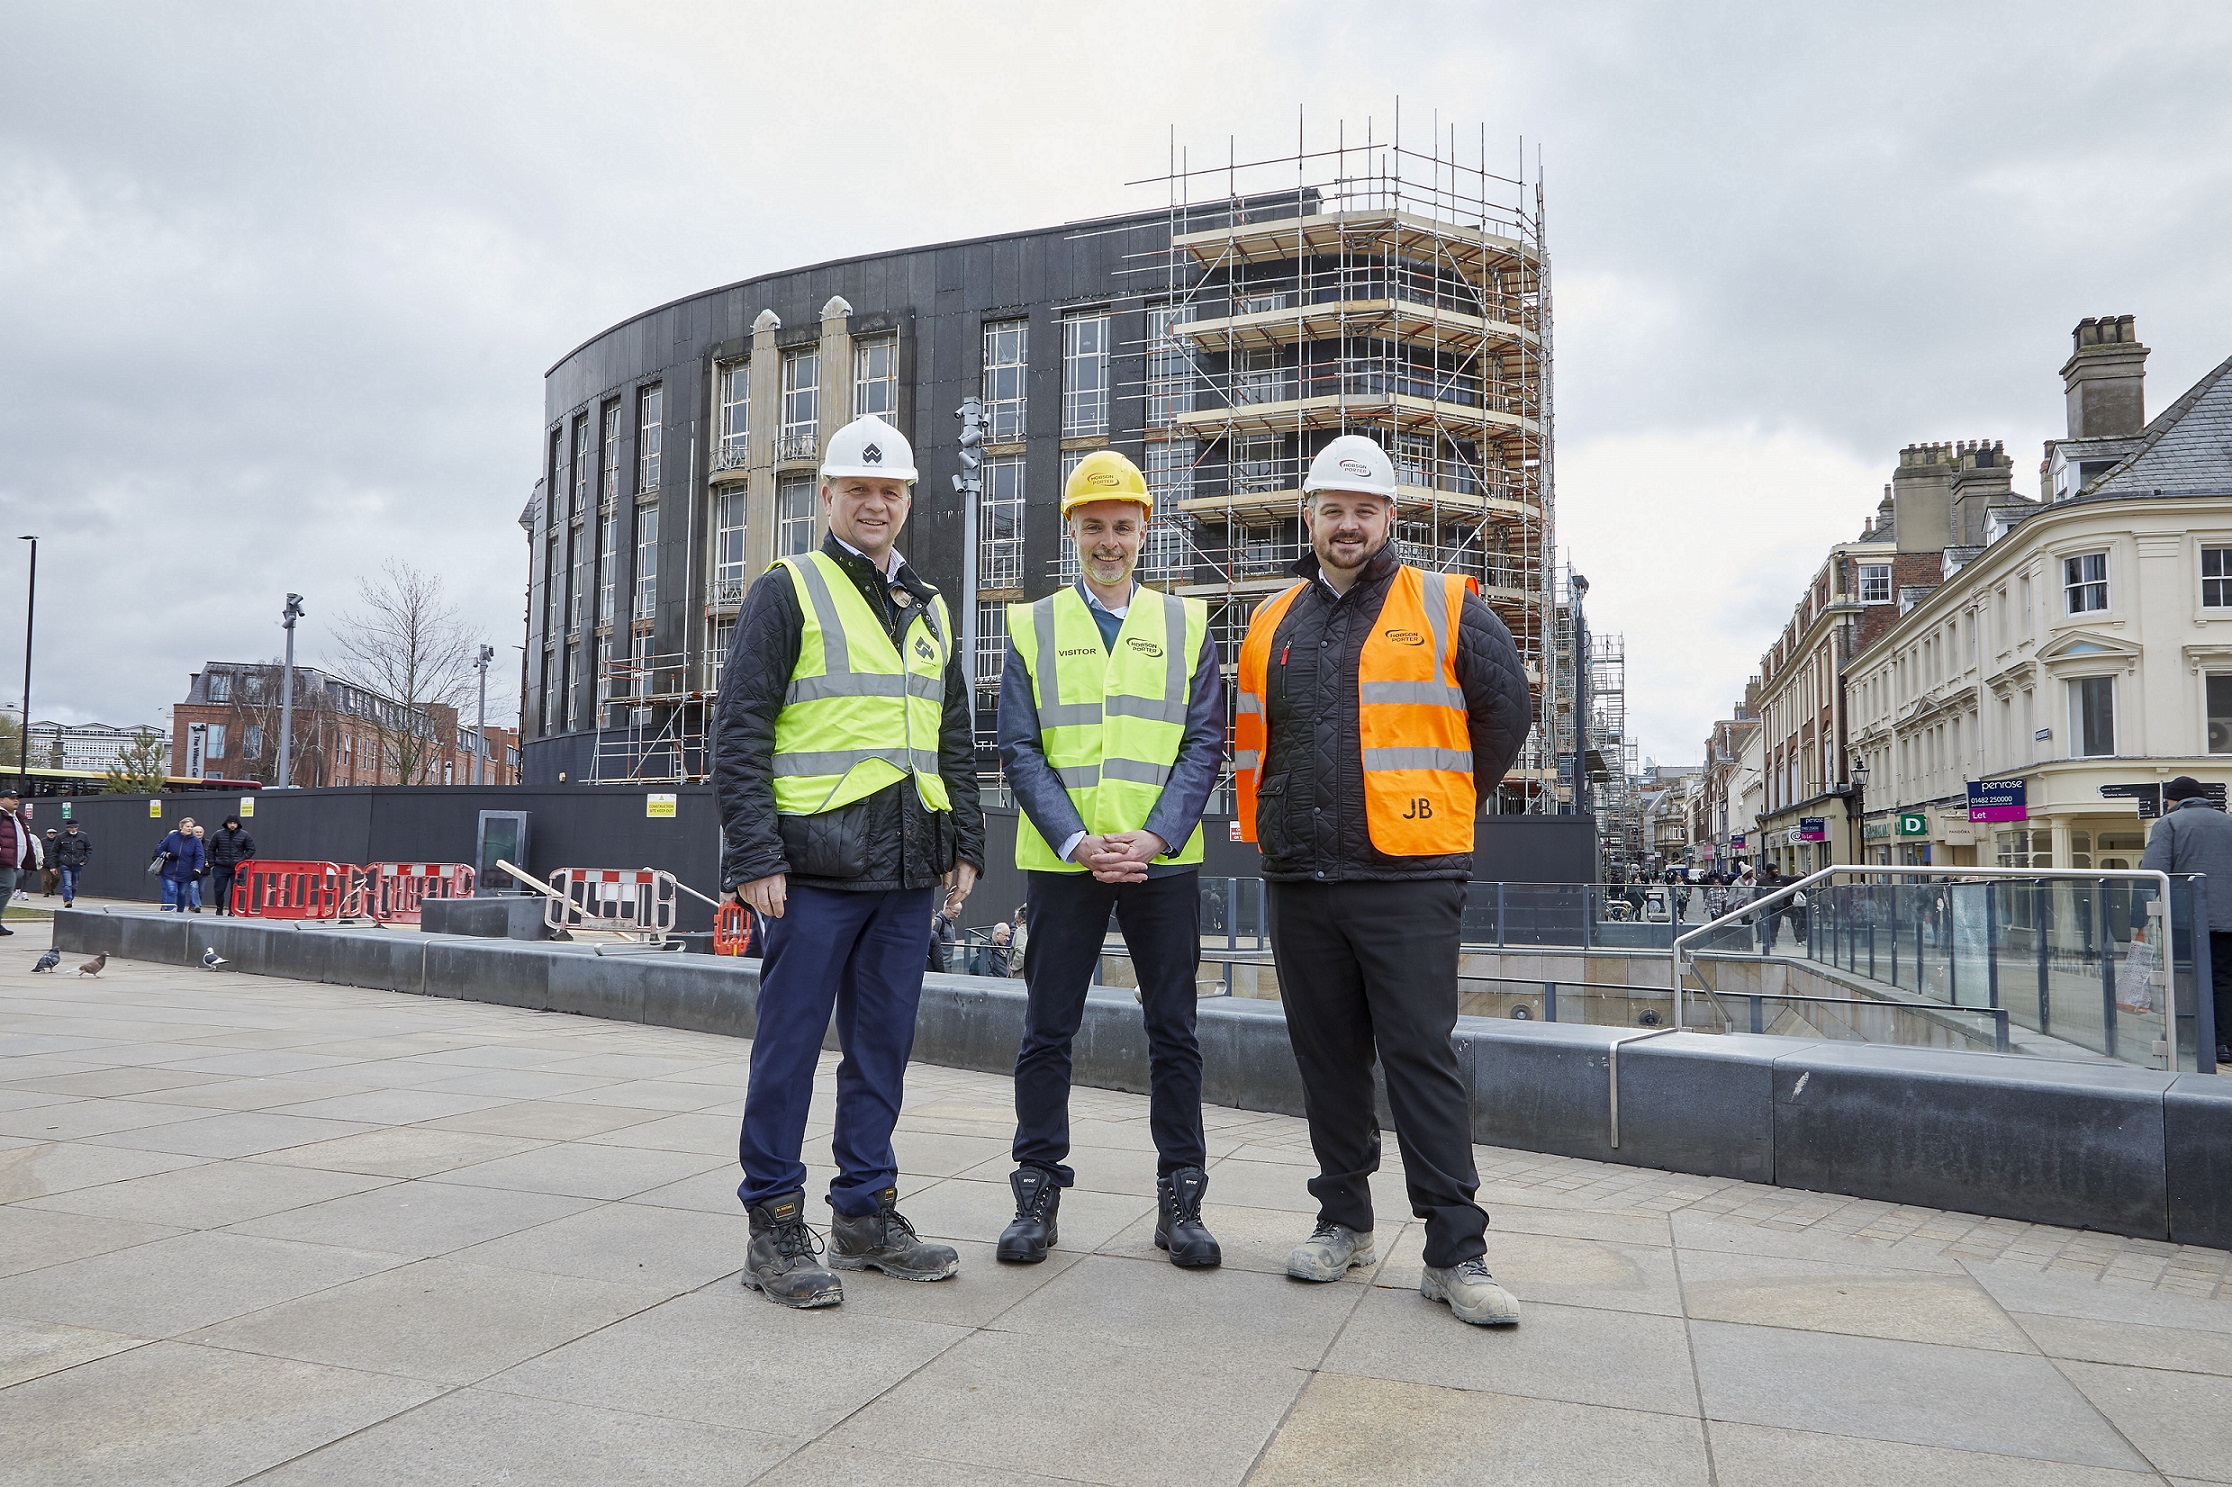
(732, 929)
(265, 888)
(391, 892)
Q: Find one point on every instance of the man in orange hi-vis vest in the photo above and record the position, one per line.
(1377, 704)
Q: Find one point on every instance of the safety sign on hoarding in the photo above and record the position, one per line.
(659, 806)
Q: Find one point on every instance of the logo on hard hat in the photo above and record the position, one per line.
(872, 455)
(1404, 637)
(1355, 467)
(1102, 477)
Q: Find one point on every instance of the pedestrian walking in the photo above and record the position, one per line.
(846, 776)
(996, 950)
(1378, 703)
(202, 837)
(941, 932)
(19, 848)
(182, 859)
(73, 849)
(229, 849)
(2194, 837)
(50, 876)
(1019, 938)
(1112, 736)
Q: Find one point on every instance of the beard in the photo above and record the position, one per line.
(1333, 557)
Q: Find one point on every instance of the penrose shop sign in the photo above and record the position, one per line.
(1998, 800)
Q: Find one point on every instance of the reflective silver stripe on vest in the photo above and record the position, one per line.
(1459, 760)
(1249, 703)
(836, 659)
(1246, 759)
(841, 761)
(850, 684)
(1177, 673)
(1435, 597)
(1056, 713)
(1134, 771)
(1432, 694)
(838, 678)
(1079, 776)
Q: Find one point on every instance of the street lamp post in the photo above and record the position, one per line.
(30, 618)
(480, 747)
(288, 616)
(1856, 808)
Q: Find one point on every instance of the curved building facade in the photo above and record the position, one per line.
(1219, 346)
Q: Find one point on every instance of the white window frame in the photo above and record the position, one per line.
(720, 631)
(2077, 718)
(646, 601)
(736, 415)
(608, 562)
(1874, 583)
(220, 686)
(215, 748)
(794, 515)
(992, 641)
(2085, 582)
(2216, 587)
(650, 435)
(1085, 384)
(1170, 368)
(1005, 380)
(1169, 470)
(876, 378)
(1000, 524)
(731, 520)
(1413, 457)
(801, 404)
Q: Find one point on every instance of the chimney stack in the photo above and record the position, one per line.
(2104, 380)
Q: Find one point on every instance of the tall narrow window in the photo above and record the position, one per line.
(551, 687)
(608, 562)
(2216, 577)
(608, 483)
(647, 560)
(1084, 376)
(728, 545)
(876, 378)
(2092, 716)
(801, 438)
(794, 515)
(991, 654)
(1414, 459)
(2085, 579)
(1000, 525)
(1169, 475)
(650, 436)
(1007, 348)
(1170, 369)
(1258, 464)
(2220, 714)
(736, 415)
(583, 464)
(720, 634)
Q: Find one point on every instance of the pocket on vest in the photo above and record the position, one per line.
(1272, 837)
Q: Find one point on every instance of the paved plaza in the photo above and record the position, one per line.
(262, 1230)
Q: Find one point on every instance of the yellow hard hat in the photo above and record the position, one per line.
(1105, 475)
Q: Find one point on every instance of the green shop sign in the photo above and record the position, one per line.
(1913, 823)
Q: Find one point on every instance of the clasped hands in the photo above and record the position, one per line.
(1119, 857)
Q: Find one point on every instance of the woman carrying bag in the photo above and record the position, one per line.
(180, 859)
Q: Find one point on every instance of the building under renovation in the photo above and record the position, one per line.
(1356, 284)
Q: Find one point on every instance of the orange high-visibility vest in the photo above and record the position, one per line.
(1411, 723)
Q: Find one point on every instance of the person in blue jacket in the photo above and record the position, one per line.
(183, 857)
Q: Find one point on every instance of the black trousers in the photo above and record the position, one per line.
(1365, 966)
(1161, 924)
(2220, 985)
(221, 886)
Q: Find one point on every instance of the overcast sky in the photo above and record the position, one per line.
(278, 282)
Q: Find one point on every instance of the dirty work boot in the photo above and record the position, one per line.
(1178, 1226)
(781, 1263)
(1330, 1252)
(884, 1241)
(1472, 1293)
(1033, 1231)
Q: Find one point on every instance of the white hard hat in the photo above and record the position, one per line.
(869, 446)
(1352, 463)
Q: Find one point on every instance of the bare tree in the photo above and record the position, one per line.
(407, 646)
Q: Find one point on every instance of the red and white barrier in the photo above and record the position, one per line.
(391, 892)
(271, 888)
(636, 902)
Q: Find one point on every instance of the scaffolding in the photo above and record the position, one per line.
(652, 723)
(1367, 287)
(1617, 804)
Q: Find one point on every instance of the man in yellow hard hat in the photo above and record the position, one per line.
(1112, 734)
(845, 765)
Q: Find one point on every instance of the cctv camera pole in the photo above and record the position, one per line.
(970, 486)
(480, 748)
(288, 617)
(30, 616)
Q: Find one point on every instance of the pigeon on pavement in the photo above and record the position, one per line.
(48, 961)
(212, 959)
(93, 966)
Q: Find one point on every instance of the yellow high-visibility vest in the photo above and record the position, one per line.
(1111, 718)
(860, 713)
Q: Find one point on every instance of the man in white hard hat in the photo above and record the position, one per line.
(1377, 704)
(845, 765)
(1112, 734)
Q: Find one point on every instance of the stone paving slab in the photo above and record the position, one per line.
(254, 1229)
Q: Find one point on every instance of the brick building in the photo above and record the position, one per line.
(228, 728)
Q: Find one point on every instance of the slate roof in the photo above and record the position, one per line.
(2186, 449)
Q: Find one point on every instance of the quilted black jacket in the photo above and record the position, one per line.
(1310, 821)
(890, 839)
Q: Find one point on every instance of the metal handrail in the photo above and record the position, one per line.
(1906, 870)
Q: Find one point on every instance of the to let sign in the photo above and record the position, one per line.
(1998, 800)
(1813, 828)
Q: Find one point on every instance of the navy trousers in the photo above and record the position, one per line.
(1161, 921)
(860, 954)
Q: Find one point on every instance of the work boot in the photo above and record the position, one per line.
(1331, 1251)
(1472, 1293)
(1032, 1232)
(885, 1241)
(781, 1263)
(1178, 1226)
